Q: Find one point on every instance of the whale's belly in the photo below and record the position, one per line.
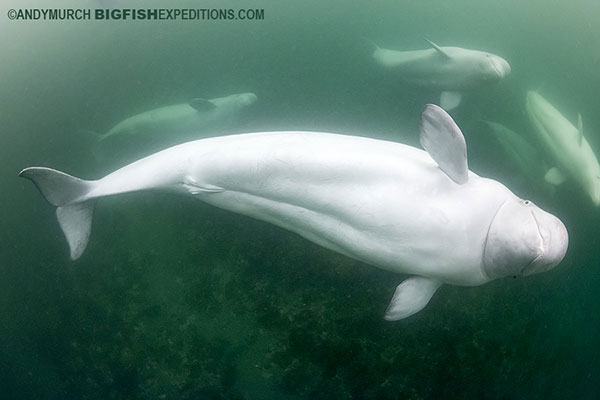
(384, 203)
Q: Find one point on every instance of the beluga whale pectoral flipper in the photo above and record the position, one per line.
(445, 143)
(448, 69)
(410, 297)
(393, 206)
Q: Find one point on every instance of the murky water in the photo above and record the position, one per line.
(177, 299)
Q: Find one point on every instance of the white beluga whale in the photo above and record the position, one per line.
(522, 154)
(163, 127)
(449, 69)
(396, 207)
(566, 146)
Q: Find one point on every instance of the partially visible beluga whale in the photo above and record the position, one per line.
(449, 69)
(396, 207)
(163, 127)
(526, 157)
(566, 146)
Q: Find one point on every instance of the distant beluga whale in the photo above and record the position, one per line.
(449, 69)
(163, 127)
(566, 146)
(526, 157)
(393, 206)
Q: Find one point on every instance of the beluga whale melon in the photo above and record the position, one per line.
(396, 207)
(448, 69)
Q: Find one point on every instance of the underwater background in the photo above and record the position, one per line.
(175, 299)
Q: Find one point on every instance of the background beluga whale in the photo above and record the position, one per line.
(569, 152)
(157, 129)
(415, 212)
(524, 156)
(449, 69)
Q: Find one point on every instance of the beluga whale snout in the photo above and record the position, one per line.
(555, 241)
(390, 205)
(247, 99)
(523, 240)
(500, 67)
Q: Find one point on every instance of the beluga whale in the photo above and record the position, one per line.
(162, 127)
(448, 69)
(523, 155)
(567, 148)
(416, 212)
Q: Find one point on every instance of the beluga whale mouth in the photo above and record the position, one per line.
(554, 243)
(523, 240)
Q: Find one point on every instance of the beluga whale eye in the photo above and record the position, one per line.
(526, 202)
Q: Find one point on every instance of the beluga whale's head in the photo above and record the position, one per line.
(523, 240)
(246, 99)
(235, 102)
(493, 67)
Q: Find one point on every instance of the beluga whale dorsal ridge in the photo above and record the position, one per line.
(565, 145)
(387, 204)
(449, 69)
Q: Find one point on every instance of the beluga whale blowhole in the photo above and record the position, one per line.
(396, 207)
(448, 69)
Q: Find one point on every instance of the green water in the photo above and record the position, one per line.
(174, 299)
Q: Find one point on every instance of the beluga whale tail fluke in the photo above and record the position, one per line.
(448, 69)
(390, 205)
(73, 211)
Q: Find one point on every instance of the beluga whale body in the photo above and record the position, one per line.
(449, 69)
(396, 207)
(567, 148)
(156, 129)
(523, 155)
